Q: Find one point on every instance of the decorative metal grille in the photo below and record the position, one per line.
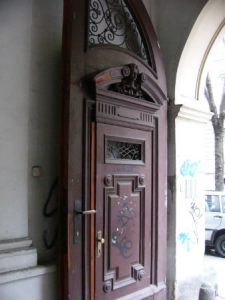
(118, 150)
(111, 23)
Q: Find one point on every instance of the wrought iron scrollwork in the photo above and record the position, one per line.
(111, 23)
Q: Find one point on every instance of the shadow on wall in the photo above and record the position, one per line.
(43, 132)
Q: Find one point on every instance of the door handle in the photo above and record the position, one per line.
(78, 213)
(85, 212)
(219, 217)
(100, 242)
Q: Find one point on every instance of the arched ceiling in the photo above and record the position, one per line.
(207, 27)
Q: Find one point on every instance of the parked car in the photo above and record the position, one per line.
(215, 221)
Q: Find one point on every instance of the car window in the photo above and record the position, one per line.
(213, 203)
(206, 206)
(223, 203)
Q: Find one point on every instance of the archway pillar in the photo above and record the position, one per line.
(186, 198)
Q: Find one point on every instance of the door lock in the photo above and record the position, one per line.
(100, 242)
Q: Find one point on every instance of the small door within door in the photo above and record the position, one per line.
(124, 212)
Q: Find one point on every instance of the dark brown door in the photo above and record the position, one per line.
(113, 179)
(124, 200)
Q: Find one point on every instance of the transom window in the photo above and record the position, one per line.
(111, 23)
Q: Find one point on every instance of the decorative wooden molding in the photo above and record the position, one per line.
(129, 81)
(123, 112)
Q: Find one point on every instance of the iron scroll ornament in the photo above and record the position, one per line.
(111, 23)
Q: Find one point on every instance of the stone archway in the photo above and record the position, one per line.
(207, 27)
(188, 116)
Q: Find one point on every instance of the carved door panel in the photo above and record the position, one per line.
(124, 200)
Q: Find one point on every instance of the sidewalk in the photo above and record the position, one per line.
(214, 270)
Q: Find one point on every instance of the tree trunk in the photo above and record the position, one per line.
(218, 126)
(219, 156)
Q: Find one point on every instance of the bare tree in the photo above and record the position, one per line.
(218, 127)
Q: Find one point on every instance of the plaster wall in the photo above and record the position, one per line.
(43, 121)
(190, 235)
(186, 201)
(15, 51)
(35, 284)
(30, 53)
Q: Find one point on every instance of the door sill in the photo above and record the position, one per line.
(143, 294)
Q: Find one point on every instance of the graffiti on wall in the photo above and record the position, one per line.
(189, 168)
(188, 172)
(196, 215)
(186, 240)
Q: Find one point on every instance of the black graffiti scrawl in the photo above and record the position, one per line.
(126, 215)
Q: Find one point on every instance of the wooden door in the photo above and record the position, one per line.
(113, 183)
(124, 200)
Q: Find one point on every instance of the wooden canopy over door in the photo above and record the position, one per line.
(113, 175)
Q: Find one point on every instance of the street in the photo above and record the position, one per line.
(214, 270)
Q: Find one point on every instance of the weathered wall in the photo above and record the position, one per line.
(43, 117)
(15, 35)
(188, 119)
(35, 284)
(190, 237)
(30, 39)
(30, 51)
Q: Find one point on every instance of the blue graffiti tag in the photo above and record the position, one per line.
(189, 168)
(185, 240)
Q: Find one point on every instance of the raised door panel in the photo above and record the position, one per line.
(124, 211)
